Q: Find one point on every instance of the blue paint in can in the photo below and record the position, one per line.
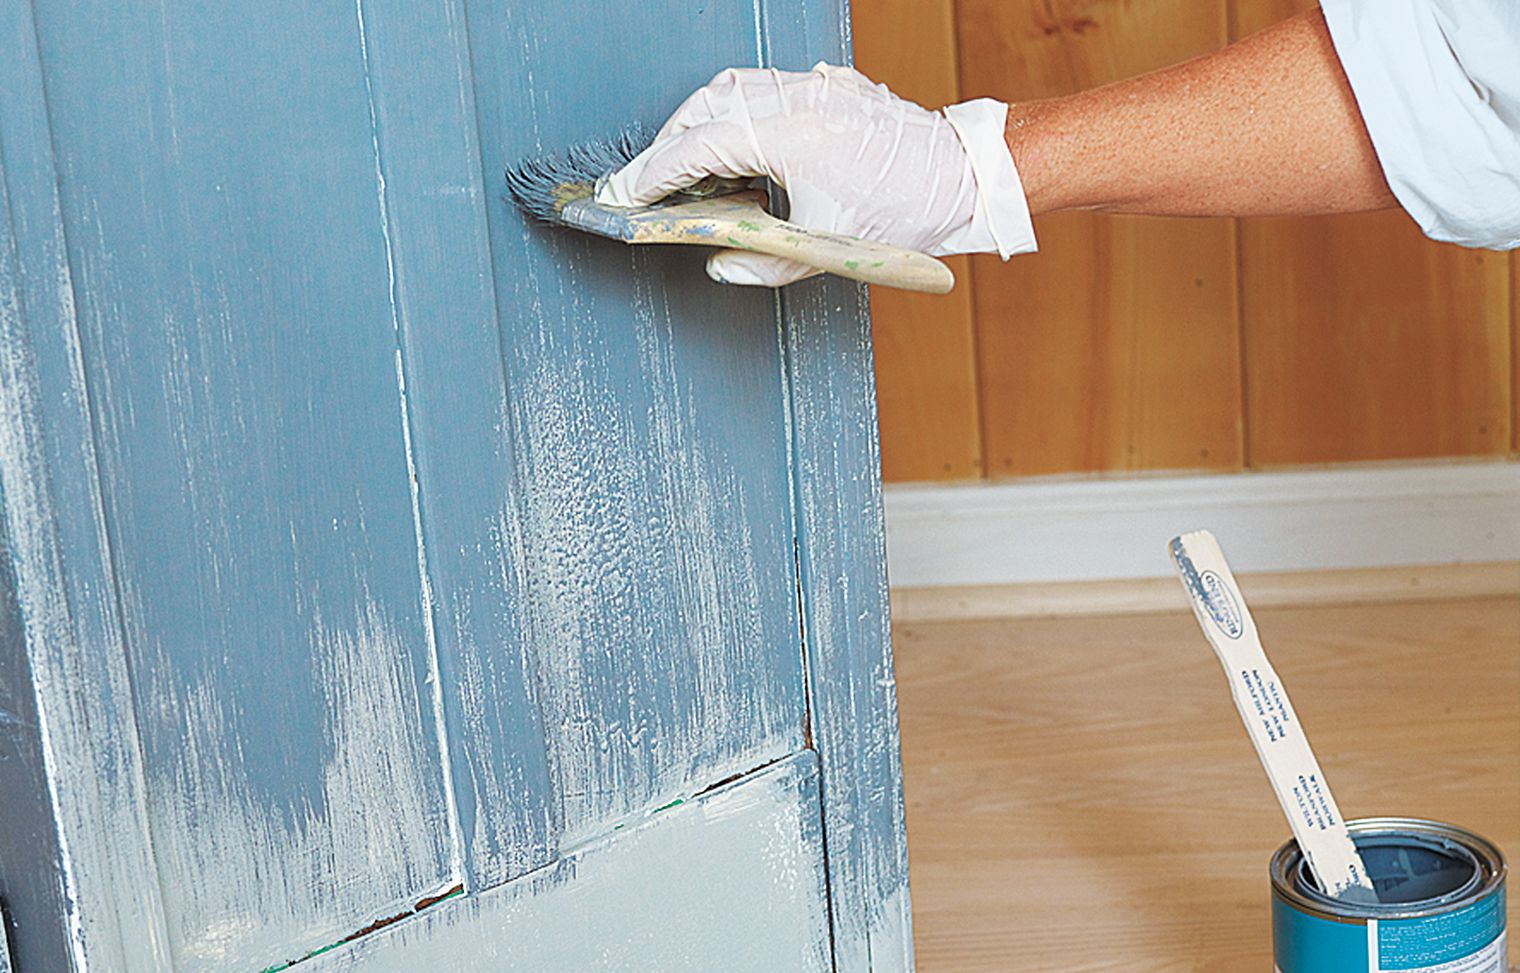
(1441, 905)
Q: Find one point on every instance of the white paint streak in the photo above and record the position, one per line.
(247, 875)
(854, 715)
(732, 882)
(429, 624)
(760, 38)
(95, 785)
(27, 514)
(888, 940)
(504, 820)
(435, 682)
(647, 610)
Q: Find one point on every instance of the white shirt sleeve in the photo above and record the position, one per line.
(1438, 84)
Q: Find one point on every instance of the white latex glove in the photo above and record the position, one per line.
(854, 159)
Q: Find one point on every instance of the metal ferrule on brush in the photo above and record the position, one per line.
(585, 213)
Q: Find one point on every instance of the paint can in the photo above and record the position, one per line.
(1441, 905)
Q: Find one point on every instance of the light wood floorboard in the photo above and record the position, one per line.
(1083, 799)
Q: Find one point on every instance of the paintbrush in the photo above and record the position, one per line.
(714, 213)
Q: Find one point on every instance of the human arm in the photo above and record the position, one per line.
(1265, 126)
(1361, 105)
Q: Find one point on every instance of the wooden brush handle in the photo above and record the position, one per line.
(739, 220)
(846, 256)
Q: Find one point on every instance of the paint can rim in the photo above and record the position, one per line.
(1485, 856)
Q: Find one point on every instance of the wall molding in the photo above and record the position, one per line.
(1345, 519)
(1145, 596)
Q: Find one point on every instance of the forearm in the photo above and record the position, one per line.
(1265, 126)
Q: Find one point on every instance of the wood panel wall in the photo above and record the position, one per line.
(1132, 344)
(925, 346)
(1363, 339)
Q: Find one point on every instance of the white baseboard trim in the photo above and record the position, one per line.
(1098, 530)
(1145, 596)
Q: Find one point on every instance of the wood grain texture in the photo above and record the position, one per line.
(1363, 339)
(1082, 798)
(1116, 347)
(750, 849)
(925, 346)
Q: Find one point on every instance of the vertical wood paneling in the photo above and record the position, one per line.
(1364, 340)
(1116, 347)
(238, 333)
(648, 552)
(374, 450)
(435, 198)
(112, 911)
(844, 599)
(925, 345)
(1131, 344)
(841, 550)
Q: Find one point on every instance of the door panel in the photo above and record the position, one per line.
(652, 569)
(435, 198)
(219, 191)
(438, 551)
(740, 880)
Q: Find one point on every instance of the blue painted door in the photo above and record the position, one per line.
(401, 582)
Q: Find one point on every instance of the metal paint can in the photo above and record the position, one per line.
(1441, 908)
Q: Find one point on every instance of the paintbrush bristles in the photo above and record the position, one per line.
(543, 186)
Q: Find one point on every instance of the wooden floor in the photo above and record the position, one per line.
(1082, 796)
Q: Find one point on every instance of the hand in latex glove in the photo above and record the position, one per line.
(853, 158)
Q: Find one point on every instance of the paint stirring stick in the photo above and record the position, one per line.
(1269, 718)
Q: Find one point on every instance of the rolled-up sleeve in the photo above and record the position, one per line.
(1438, 84)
